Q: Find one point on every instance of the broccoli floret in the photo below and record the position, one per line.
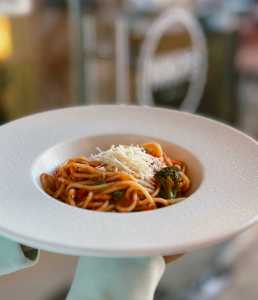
(168, 179)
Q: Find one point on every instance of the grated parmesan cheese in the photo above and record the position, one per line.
(131, 159)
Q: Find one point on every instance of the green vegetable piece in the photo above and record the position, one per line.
(118, 195)
(168, 179)
(101, 181)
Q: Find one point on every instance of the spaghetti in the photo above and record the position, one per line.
(121, 179)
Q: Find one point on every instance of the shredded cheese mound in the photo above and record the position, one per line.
(131, 159)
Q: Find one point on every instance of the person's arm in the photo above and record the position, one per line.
(171, 258)
(101, 278)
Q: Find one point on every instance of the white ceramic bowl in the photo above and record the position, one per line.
(223, 164)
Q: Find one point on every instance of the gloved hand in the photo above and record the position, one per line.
(100, 278)
(15, 257)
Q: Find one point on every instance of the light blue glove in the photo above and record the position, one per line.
(116, 278)
(96, 278)
(13, 258)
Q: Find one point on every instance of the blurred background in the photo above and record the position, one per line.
(195, 55)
